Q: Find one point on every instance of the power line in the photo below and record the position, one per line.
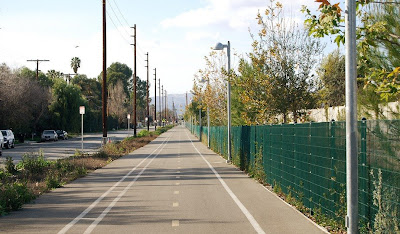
(121, 13)
(116, 16)
(112, 21)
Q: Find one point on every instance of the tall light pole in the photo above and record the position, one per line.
(351, 119)
(147, 93)
(159, 100)
(155, 98)
(220, 46)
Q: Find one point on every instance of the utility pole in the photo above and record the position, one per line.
(173, 111)
(37, 65)
(162, 103)
(186, 100)
(147, 93)
(104, 88)
(68, 77)
(155, 98)
(351, 118)
(159, 100)
(134, 82)
(166, 107)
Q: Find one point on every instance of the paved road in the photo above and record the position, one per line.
(64, 148)
(172, 185)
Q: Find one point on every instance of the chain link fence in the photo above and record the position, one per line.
(308, 162)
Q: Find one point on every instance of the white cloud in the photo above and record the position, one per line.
(236, 14)
(199, 35)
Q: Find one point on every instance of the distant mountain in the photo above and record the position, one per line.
(179, 101)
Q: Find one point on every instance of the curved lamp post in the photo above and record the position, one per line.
(220, 46)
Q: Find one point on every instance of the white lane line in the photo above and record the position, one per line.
(112, 204)
(175, 204)
(175, 223)
(178, 172)
(244, 210)
(176, 192)
(87, 210)
(178, 177)
(177, 183)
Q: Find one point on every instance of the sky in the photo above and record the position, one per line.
(177, 34)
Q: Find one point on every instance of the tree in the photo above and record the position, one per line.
(64, 107)
(278, 80)
(210, 88)
(24, 101)
(119, 71)
(90, 89)
(378, 31)
(332, 76)
(53, 74)
(26, 73)
(140, 99)
(75, 64)
(118, 102)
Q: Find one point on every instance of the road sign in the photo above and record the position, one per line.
(82, 110)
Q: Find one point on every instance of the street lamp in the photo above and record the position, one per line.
(220, 46)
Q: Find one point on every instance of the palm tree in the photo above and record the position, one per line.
(75, 64)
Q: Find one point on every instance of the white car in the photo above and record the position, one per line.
(49, 135)
(9, 140)
(1, 143)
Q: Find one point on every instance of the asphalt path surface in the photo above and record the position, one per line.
(64, 148)
(172, 185)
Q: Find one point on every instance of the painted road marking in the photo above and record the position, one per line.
(94, 204)
(177, 183)
(178, 172)
(112, 204)
(244, 210)
(175, 204)
(176, 192)
(178, 177)
(175, 223)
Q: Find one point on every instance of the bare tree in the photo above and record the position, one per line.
(23, 101)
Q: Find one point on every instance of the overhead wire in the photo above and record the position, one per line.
(121, 12)
(142, 59)
(125, 34)
(119, 21)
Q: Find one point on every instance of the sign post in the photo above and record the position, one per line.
(129, 118)
(82, 112)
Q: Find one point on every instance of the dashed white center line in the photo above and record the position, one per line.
(177, 183)
(176, 192)
(175, 223)
(175, 204)
(178, 177)
(178, 172)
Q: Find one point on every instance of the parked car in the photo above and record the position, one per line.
(61, 134)
(1, 143)
(9, 140)
(49, 135)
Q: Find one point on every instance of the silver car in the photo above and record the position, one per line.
(1, 143)
(9, 140)
(49, 135)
